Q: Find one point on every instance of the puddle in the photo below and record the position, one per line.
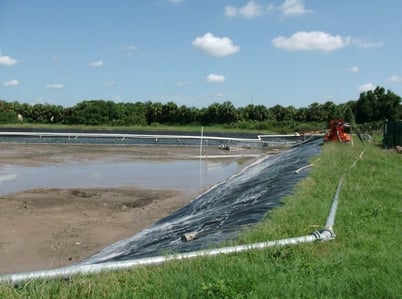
(185, 175)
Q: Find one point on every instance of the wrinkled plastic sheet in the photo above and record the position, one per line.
(162, 138)
(219, 214)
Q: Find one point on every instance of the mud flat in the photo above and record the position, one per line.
(45, 228)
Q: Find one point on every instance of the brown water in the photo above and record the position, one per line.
(186, 175)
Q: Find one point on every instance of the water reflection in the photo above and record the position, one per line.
(186, 175)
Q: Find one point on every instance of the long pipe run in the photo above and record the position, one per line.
(65, 272)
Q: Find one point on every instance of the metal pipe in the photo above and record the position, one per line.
(121, 265)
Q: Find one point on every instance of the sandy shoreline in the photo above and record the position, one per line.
(48, 228)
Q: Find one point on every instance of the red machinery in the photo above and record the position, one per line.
(337, 131)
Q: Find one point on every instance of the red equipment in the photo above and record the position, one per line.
(337, 131)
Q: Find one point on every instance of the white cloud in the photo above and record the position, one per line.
(353, 69)
(213, 78)
(250, 10)
(176, 1)
(11, 83)
(366, 87)
(309, 41)
(215, 46)
(395, 79)
(7, 60)
(182, 83)
(54, 86)
(231, 11)
(289, 8)
(293, 8)
(98, 63)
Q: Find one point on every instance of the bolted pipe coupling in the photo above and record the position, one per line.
(324, 234)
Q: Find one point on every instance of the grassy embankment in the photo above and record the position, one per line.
(364, 261)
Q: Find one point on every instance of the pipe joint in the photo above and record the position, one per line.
(324, 234)
(187, 237)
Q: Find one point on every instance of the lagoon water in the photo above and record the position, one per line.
(186, 175)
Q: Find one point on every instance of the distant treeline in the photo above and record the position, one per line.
(372, 106)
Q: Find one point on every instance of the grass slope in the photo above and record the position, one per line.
(364, 261)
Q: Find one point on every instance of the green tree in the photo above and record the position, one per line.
(301, 114)
(227, 113)
(93, 112)
(375, 105)
(187, 115)
(278, 112)
(153, 112)
(211, 115)
(315, 112)
(332, 111)
(170, 113)
(135, 114)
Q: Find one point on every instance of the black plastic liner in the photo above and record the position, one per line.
(220, 213)
(166, 138)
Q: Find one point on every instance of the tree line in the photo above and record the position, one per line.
(372, 106)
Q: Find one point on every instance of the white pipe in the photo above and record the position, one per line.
(202, 133)
(156, 136)
(332, 213)
(120, 265)
(113, 135)
(302, 168)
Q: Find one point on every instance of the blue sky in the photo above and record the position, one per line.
(197, 52)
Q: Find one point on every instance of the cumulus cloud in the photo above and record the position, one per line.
(215, 46)
(54, 86)
(250, 10)
(395, 79)
(291, 8)
(7, 60)
(366, 87)
(11, 83)
(98, 63)
(214, 78)
(312, 40)
(182, 83)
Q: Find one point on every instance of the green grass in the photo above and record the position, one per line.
(364, 261)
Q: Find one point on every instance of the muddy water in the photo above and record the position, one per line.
(186, 175)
